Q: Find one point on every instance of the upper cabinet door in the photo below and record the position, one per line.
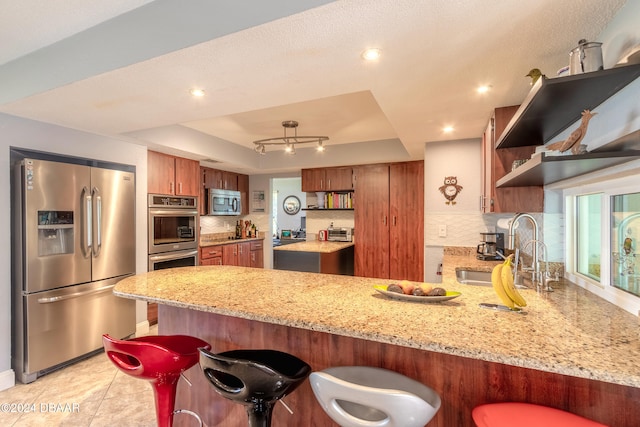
(161, 173)
(313, 180)
(187, 174)
(339, 179)
(327, 179)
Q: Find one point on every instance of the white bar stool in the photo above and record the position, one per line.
(364, 396)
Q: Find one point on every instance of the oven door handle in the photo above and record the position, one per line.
(172, 255)
(172, 212)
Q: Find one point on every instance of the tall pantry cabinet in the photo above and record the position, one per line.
(389, 218)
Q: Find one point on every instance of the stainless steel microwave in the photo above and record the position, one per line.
(224, 202)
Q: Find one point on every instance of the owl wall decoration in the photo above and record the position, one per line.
(450, 189)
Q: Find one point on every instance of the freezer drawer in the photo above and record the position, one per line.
(64, 324)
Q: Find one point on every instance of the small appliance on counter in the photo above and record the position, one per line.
(339, 234)
(491, 246)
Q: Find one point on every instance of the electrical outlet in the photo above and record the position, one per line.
(442, 230)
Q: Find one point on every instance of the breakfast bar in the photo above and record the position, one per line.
(568, 349)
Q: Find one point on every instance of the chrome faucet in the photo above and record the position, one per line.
(538, 279)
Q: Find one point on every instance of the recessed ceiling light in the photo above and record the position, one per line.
(448, 129)
(483, 89)
(197, 92)
(371, 54)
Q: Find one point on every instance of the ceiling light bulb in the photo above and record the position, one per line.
(483, 89)
(371, 54)
(289, 148)
(447, 129)
(320, 146)
(197, 92)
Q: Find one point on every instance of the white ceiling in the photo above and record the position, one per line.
(125, 68)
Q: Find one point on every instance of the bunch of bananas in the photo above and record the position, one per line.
(502, 281)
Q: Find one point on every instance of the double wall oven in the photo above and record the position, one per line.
(173, 226)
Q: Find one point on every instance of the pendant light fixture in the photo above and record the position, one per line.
(289, 141)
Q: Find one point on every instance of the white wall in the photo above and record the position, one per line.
(28, 134)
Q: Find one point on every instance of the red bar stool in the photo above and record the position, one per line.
(160, 359)
(508, 414)
(254, 378)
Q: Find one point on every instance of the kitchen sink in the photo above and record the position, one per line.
(473, 277)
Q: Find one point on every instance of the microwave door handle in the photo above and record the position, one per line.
(88, 223)
(234, 204)
(96, 195)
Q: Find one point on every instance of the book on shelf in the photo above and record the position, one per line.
(335, 200)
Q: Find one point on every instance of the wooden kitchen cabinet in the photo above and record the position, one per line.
(238, 254)
(257, 254)
(243, 254)
(222, 180)
(406, 228)
(389, 212)
(172, 175)
(496, 163)
(327, 179)
(211, 255)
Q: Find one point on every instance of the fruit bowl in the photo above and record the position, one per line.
(413, 298)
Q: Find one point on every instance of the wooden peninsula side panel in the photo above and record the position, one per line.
(462, 383)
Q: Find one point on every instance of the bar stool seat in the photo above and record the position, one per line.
(364, 396)
(159, 359)
(254, 378)
(526, 415)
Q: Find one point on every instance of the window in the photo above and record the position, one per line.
(588, 235)
(625, 224)
(602, 237)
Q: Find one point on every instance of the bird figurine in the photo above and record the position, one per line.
(535, 74)
(573, 141)
(450, 189)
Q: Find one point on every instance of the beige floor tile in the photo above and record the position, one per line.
(89, 393)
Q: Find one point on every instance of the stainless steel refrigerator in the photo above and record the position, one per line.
(74, 238)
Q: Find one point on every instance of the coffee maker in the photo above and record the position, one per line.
(492, 245)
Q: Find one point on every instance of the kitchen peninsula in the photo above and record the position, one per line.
(569, 350)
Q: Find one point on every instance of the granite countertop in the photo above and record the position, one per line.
(314, 246)
(569, 331)
(227, 241)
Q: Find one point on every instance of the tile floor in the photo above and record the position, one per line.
(91, 393)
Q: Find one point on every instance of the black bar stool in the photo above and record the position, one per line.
(254, 378)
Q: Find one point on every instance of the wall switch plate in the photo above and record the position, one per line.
(442, 230)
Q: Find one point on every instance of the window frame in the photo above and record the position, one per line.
(604, 288)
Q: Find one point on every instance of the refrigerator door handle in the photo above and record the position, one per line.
(88, 222)
(95, 193)
(75, 295)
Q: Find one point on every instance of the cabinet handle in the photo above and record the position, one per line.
(394, 220)
(481, 203)
(384, 220)
(253, 256)
(171, 190)
(180, 187)
(329, 184)
(240, 249)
